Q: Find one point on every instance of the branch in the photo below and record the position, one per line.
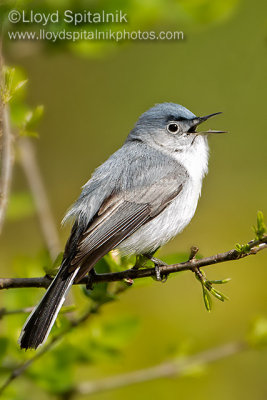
(253, 247)
(31, 169)
(6, 151)
(170, 369)
(166, 369)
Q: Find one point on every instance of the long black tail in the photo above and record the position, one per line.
(42, 318)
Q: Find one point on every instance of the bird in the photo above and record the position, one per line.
(141, 197)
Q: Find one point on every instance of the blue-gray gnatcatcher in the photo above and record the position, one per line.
(138, 200)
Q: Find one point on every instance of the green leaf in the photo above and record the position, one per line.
(30, 121)
(115, 262)
(260, 228)
(12, 83)
(242, 248)
(19, 85)
(220, 281)
(102, 266)
(6, 89)
(207, 299)
(220, 296)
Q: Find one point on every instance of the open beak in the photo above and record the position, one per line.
(198, 120)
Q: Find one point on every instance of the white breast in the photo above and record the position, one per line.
(179, 213)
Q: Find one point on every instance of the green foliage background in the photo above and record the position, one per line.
(93, 94)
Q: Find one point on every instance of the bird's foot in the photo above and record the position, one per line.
(90, 279)
(158, 263)
(143, 258)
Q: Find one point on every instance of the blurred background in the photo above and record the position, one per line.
(92, 95)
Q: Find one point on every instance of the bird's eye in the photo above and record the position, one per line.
(172, 128)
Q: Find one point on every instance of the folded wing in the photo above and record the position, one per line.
(121, 215)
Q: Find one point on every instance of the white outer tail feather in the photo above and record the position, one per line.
(56, 312)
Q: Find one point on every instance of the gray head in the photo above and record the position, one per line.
(170, 125)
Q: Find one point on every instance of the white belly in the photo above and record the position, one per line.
(166, 225)
(179, 213)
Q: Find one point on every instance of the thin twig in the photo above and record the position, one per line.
(26, 310)
(193, 253)
(31, 169)
(4, 311)
(6, 150)
(254, 247)
(170, 369)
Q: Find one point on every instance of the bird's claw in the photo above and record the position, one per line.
(158, 264)
(140, 260)
(157, 273)
(90, 279)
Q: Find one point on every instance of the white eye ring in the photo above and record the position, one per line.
(173, 128)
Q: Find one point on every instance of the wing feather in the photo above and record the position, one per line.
(137, 196)
(113, 226)
(118, 225)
